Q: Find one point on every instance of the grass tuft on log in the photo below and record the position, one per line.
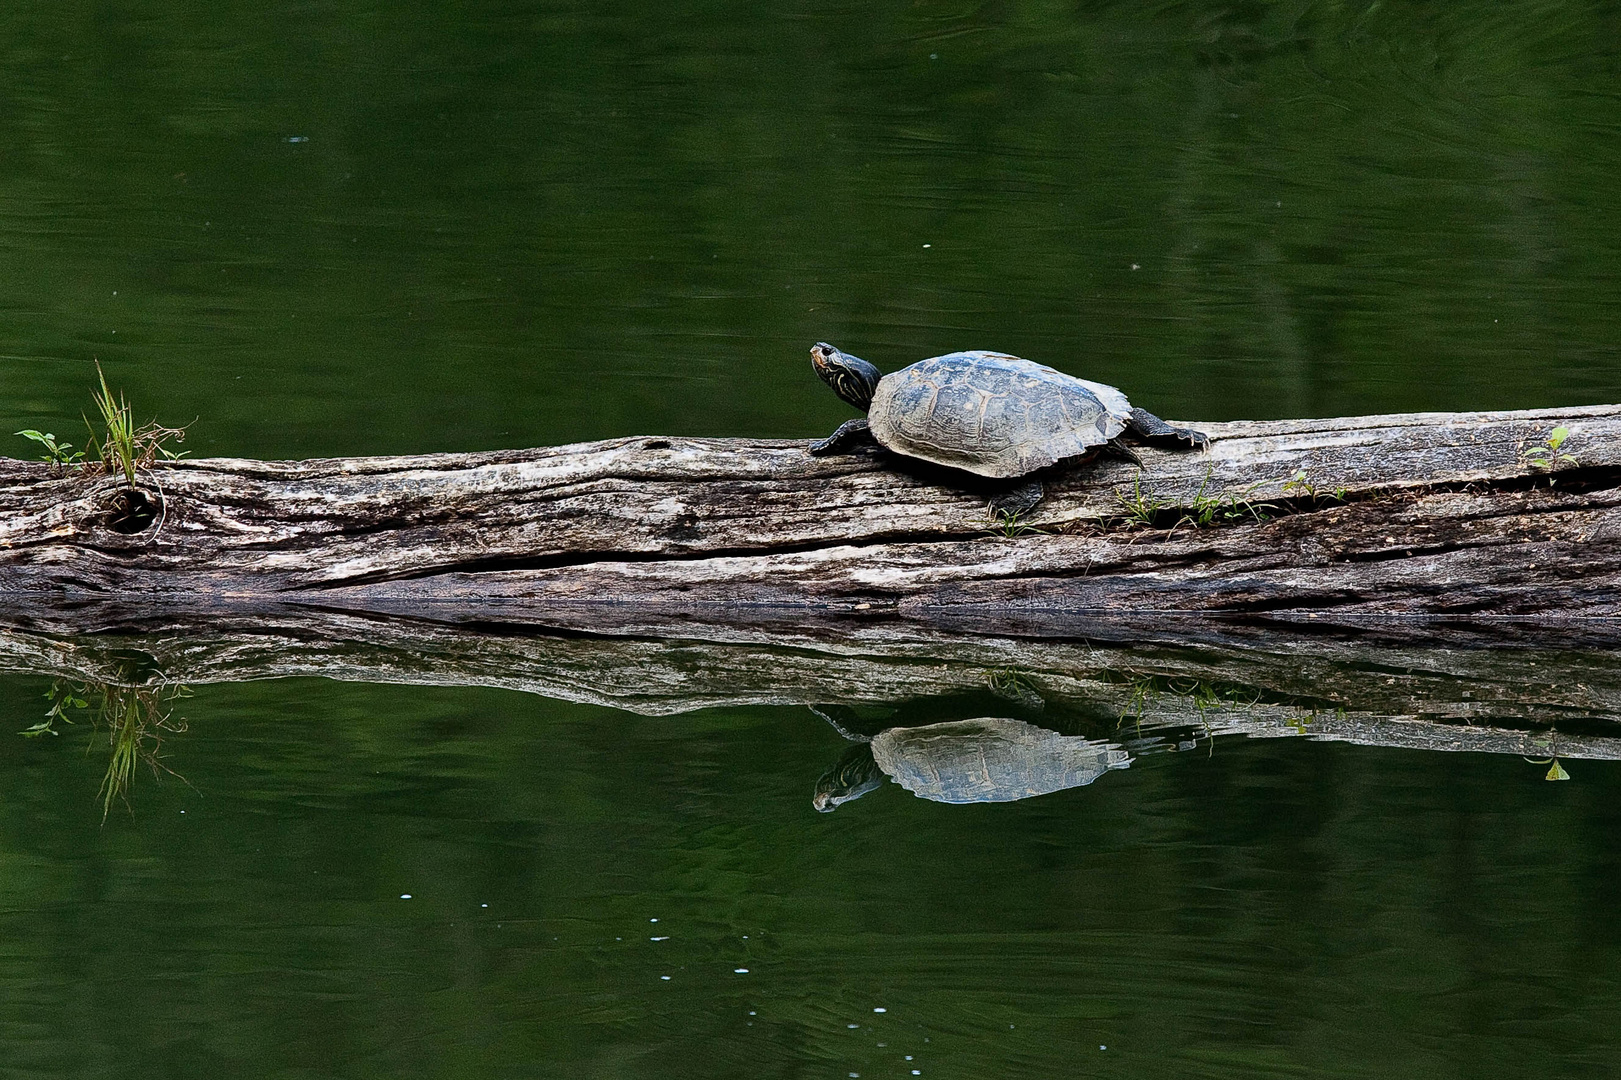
(120, 449)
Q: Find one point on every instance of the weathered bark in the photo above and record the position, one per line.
(1428, 515)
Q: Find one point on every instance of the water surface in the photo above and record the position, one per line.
(585, 884)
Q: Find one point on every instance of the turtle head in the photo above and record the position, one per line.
(851, 377)
(852, 776)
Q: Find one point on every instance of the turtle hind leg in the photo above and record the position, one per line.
(1014, 501)
(1118, 449)
(852, 435)
(1148, 426)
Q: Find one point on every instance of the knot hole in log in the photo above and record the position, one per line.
(131, 510)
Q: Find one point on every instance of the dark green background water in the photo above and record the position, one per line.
(343, 228)
(514, 224)
(1269, 908)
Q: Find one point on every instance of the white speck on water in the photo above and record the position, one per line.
(740, 971)
(852, 1025)
(619, 939)
(115, 292)
(880, 1009)
(908, 1057)
(753, 1013)
(1100, 1045)
(917, 1072)
(405, 896)
(928, 245)
(484, 905)
(652, 920)
(934, 56)
(666, 937)
(1135, 266)
(298, 138)
(664, 978)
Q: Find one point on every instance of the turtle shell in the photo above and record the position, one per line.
(991, 759)
(993, 414)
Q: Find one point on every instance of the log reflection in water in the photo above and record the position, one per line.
(1382, 688)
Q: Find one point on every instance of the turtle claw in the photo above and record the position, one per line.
(1148, 426)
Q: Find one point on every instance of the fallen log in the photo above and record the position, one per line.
(1320, 521)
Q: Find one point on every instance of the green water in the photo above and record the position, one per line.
(1258, 907)
(340, 228)
(524, 224)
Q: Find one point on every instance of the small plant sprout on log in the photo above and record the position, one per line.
(1208, 508)
(1547, 454)
(1301, 485)
(1138, 510)
(1204, 508)
(56, 453)
(1010, 524)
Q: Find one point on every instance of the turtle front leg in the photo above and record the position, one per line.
(852, 435)
(1149, 426)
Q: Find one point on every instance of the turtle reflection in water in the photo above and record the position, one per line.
(988, 759)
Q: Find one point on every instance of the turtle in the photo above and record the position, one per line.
(986, 759)
(988, 413)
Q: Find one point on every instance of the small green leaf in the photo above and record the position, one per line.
(1560, 434)
(1557, 772)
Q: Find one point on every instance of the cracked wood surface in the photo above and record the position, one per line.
(1414, 514)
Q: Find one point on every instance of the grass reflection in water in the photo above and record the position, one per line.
(135, 720)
